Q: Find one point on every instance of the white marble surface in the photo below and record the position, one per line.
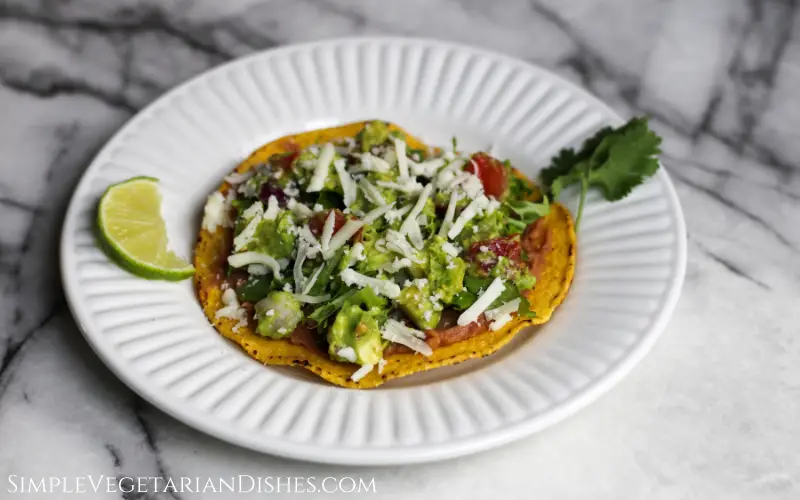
(712, 413)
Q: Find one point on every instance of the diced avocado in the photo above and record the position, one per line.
(487, 264)
(277, 237)
(278, 315)
(368, 300)
(445, 272)
(417, 305)
(358, 330)
(525, 281)
(375, 258)
(373, 134)
(484, 228)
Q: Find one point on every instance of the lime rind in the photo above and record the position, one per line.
(168, 265)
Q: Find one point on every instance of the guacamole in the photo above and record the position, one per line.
(366, 242)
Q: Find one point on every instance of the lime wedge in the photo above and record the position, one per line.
(132, 231)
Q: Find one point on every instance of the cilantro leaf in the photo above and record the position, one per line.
(613, 160)
(624, 160)
(527, 212)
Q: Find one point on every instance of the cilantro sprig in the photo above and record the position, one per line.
(526, 212)
(613, 160)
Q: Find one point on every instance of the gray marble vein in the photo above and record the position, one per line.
(711, 413)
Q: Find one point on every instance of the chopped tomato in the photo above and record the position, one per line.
(318, 221)
(502, 247)
(491, 172)
(284, 161)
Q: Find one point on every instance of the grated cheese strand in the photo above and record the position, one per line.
(402, 160)
(246, 258)
(372, 193)
(449, 215)
(394, 331)
(349, 186)
(308, 299)
(484, 301)
(256, 213)
(327, 231)
(361, 373)
(312, 280)
(472, 210)
(321, 169)
(412, 215)
(382, 287)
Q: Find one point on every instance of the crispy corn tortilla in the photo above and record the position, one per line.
(212, 250)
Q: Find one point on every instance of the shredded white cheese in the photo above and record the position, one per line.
(350, 228)
(448, 173)
(298, 208)
(372, 163)
(372, 193)
(377, 213)
(393, 215)
(272, 208)
(381, 365)
(394, 331)
(255, 213)
(427, 168)
(402, 160)
(474, 208)
(346, 232)
(450, 249)
(473, 186)
(390, 157)
(397, 243)
(302, 253)
(308, 299)
(415, 235)
(327, 231)
(257, 269)
(347, 353)
(361, 373)
(254, 210)
(500, 316)
(247, 258)
(356, 254)
(411, 219)
(409, 186)
(232, 309)
(321, 169)
(238, 178)
(396, 265)
(349, 186)
(484, 301)
(382, 287)
(216, 213)
(308, 237)
(313, 280)
(449, 215)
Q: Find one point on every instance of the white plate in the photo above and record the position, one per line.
(153, 335)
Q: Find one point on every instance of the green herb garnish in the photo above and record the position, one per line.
(613, 160)
(527, 212)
